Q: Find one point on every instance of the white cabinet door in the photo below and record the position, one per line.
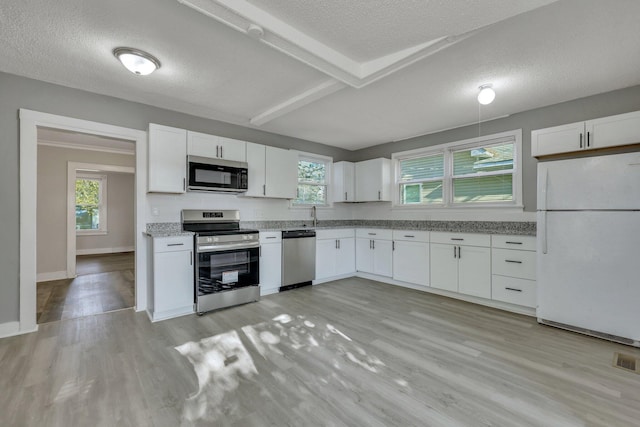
(444, 267)
(344, 182)
(270, 266)
(256, 170)
(558, 139)
(326, 258)
(364, 255)
(167, 157)
(613, 131)
(173, 283)
(281, 178)
(232, 149)
(346, 256)
(383, 257)
(373, 180)
(474, 271)
(203, 145)
(411, 262)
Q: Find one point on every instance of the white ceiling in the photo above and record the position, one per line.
(348, 73)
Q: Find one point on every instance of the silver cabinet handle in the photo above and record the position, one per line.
(175, 244)
(513, 243)
(270, 237)
(393, 245)
(338, 244)
(454, 252)
(459, 252)
(264, 189)
(588, 139)
(408, 235)
(345, 195)
(513, 261)
(374, 244)
(514, 289)
(184, 184)
(580, 139)
(372, 234)
(221, 155)
(191, 258)
(370, 241)
(457, 239)
(379, 195)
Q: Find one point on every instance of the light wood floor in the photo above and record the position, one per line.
(356, 353)
(104, 283)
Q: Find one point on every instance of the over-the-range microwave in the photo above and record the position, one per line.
(207, 174)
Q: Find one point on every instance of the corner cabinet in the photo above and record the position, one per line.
(612, 131)
(273, 172)
(344, 184)
(167, 159)
(461, 262)
(270, 262)
(373, 180)
(335, 254)
(216, 147)
(374, 251)
(170, 284)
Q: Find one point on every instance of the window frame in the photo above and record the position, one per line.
(328, 162)
(102, 204)
(447, 149)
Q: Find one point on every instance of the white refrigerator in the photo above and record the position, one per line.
(588, 245)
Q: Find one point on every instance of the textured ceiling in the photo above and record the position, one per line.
(564, 50)
(367, 29)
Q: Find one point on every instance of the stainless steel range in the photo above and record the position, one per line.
(227, 259)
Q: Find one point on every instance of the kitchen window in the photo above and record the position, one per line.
(91, 204)
(314, 174)
(480, 172)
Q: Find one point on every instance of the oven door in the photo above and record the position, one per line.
(227, 270)
(216, 175)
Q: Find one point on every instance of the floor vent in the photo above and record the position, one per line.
(626, 362)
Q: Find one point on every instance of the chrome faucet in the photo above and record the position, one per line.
(314, 215)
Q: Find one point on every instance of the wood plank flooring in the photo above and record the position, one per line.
(104, 283)
(354, 353)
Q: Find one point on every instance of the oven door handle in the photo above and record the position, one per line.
(218, 248)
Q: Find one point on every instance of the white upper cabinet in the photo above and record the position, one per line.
(373, 180)
(217, 147)
(273, 172)
(613, 131)
(167, 157)
(344, 185)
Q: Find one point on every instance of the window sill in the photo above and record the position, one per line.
(91, 232)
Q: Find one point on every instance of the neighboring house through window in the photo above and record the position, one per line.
(91, 204)
(484, 171)
(314, 174)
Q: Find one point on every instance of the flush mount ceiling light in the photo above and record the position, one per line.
(486, 95)
(137, 61)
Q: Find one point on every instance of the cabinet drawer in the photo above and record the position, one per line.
(514, 291)
(411, 236)
(468, 239)
(173, 244)
(338, 233)
(521, 264)
(374, 233)
(523, 243)
(270, 236)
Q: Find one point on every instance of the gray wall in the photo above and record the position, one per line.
(19, 92)
(592, 107)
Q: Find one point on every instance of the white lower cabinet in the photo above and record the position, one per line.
(513, 261)
(270, 262)
(335, 253)
(461, 262)
(374, 251)
(411, 256)
(171, 286)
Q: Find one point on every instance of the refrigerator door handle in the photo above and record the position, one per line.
(543, 190)
(543, 232)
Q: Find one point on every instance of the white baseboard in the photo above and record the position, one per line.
(53, 275)
(98, 251)
(9, 329)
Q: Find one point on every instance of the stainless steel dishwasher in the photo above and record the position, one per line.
(298, 258)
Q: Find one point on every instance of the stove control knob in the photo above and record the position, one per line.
(215, 239)
(245, 237)
(208, 239)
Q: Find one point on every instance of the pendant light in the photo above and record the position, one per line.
(137, 61)
(486, 95)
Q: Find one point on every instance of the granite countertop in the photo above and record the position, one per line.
(166, 229)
